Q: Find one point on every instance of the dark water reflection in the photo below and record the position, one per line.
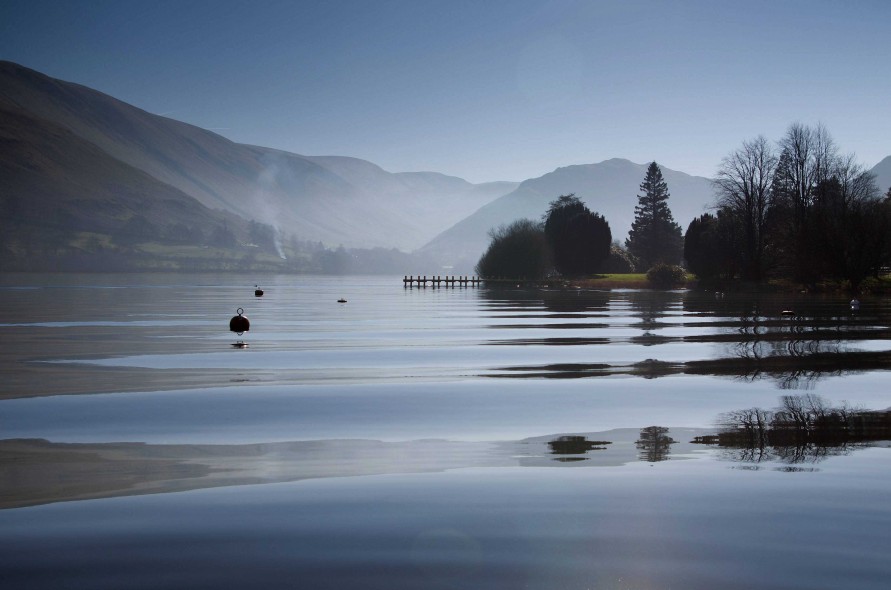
(438, 438)
(37, 471)
(791, 339)
(158, 333)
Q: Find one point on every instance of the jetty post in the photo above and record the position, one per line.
(409, 281)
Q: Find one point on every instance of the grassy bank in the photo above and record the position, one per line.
(625, 281)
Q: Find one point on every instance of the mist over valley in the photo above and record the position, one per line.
(93, 183)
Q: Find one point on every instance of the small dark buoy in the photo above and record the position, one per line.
(239, 323)
(258, 292)
(341, 300)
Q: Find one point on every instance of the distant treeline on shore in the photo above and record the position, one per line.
(796, 210)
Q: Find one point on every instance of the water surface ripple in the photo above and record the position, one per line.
(434, 438)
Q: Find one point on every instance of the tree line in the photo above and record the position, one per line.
(572, 241)
(795, 209)
(802, 418)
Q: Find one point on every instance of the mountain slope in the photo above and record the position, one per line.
(882, 171)
(52, 177)
(609, 188)
(333, 200)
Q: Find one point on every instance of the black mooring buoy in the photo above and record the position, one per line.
(239, 323)
(258, 292)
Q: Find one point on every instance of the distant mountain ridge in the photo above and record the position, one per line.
(50, 174)
(74, 158)
(335, 200)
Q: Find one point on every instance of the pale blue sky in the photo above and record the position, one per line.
(484, 90)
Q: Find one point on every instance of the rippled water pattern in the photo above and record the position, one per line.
(429, 438)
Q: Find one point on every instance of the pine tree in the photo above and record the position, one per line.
(654, 235)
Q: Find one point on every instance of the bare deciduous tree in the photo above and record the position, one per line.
(743, 186)
(810, 158)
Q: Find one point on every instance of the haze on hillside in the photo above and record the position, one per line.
(83, 162)
(404, 125)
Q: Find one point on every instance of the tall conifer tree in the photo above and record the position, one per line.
(654, 235)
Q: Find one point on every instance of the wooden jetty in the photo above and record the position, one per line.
(440, 281)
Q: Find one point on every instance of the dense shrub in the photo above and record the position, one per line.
(620, 261)
(665, 276)
(519, 250)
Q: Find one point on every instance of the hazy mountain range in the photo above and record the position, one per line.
(335, 200)
(77, 162)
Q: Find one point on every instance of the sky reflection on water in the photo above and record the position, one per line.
(690, 524)
(168, 335)
(435, 438)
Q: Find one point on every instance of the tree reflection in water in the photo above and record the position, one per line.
(654, 444)
(792, 339)
(803, 429)
(652, 306)
(573, 446)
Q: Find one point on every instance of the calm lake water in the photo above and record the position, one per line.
(429, 438)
